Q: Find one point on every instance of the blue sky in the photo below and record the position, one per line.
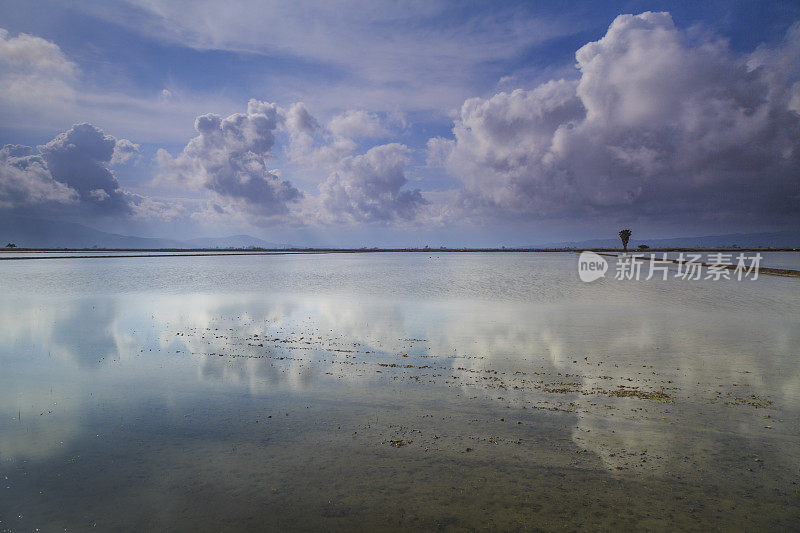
(371, 123)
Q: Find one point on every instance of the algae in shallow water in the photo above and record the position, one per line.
(656, 396)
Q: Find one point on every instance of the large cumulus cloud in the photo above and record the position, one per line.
(78, 158)
(322, 147)
(229, 158)
(363, 187)
(310, 144)
(368, 187)
(69, 174)
(656, 123)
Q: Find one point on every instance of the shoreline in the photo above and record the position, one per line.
(231, 251)
(211, 252)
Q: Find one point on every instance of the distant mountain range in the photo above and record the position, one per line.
(779, 239)
(36, 233)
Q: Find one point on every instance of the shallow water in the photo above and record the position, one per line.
(455, 391)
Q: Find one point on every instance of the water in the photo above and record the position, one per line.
(334, 391)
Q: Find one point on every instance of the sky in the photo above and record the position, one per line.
(402, 123)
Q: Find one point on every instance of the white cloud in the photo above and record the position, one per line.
(34, 73)
(298, 119)
(367, 188)
(322, 148)
(307, 146)
(357, 123)
(149, 209)
(229, 158)
(124, 151)
(655, 124)
(33, 55)
(25, 180)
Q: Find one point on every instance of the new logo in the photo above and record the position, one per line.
(591, 266)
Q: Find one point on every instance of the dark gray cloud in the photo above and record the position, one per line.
(655, 124)
(78, 158)
(229, 157)
(367, 187)
(68, 175)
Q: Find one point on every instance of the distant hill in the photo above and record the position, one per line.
(234, 241)
(779, 239)
(36, 233)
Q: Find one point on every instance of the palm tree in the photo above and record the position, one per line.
(625, 235)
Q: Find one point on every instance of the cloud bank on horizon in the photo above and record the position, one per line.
(651, 122)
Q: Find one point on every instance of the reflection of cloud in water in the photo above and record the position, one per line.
(227, 325)
(693, 349)
(258, 374)
(695, 353)
(508, 335)
(83, 330)
(86, 332)
(40, 422)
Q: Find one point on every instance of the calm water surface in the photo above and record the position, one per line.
(455, 391)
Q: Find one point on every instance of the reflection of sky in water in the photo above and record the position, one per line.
(101, 342)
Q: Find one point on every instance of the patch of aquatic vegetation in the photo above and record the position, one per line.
(620, 392)
(412, 362)
(564, 388)
(656, 396)
(753, 400)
